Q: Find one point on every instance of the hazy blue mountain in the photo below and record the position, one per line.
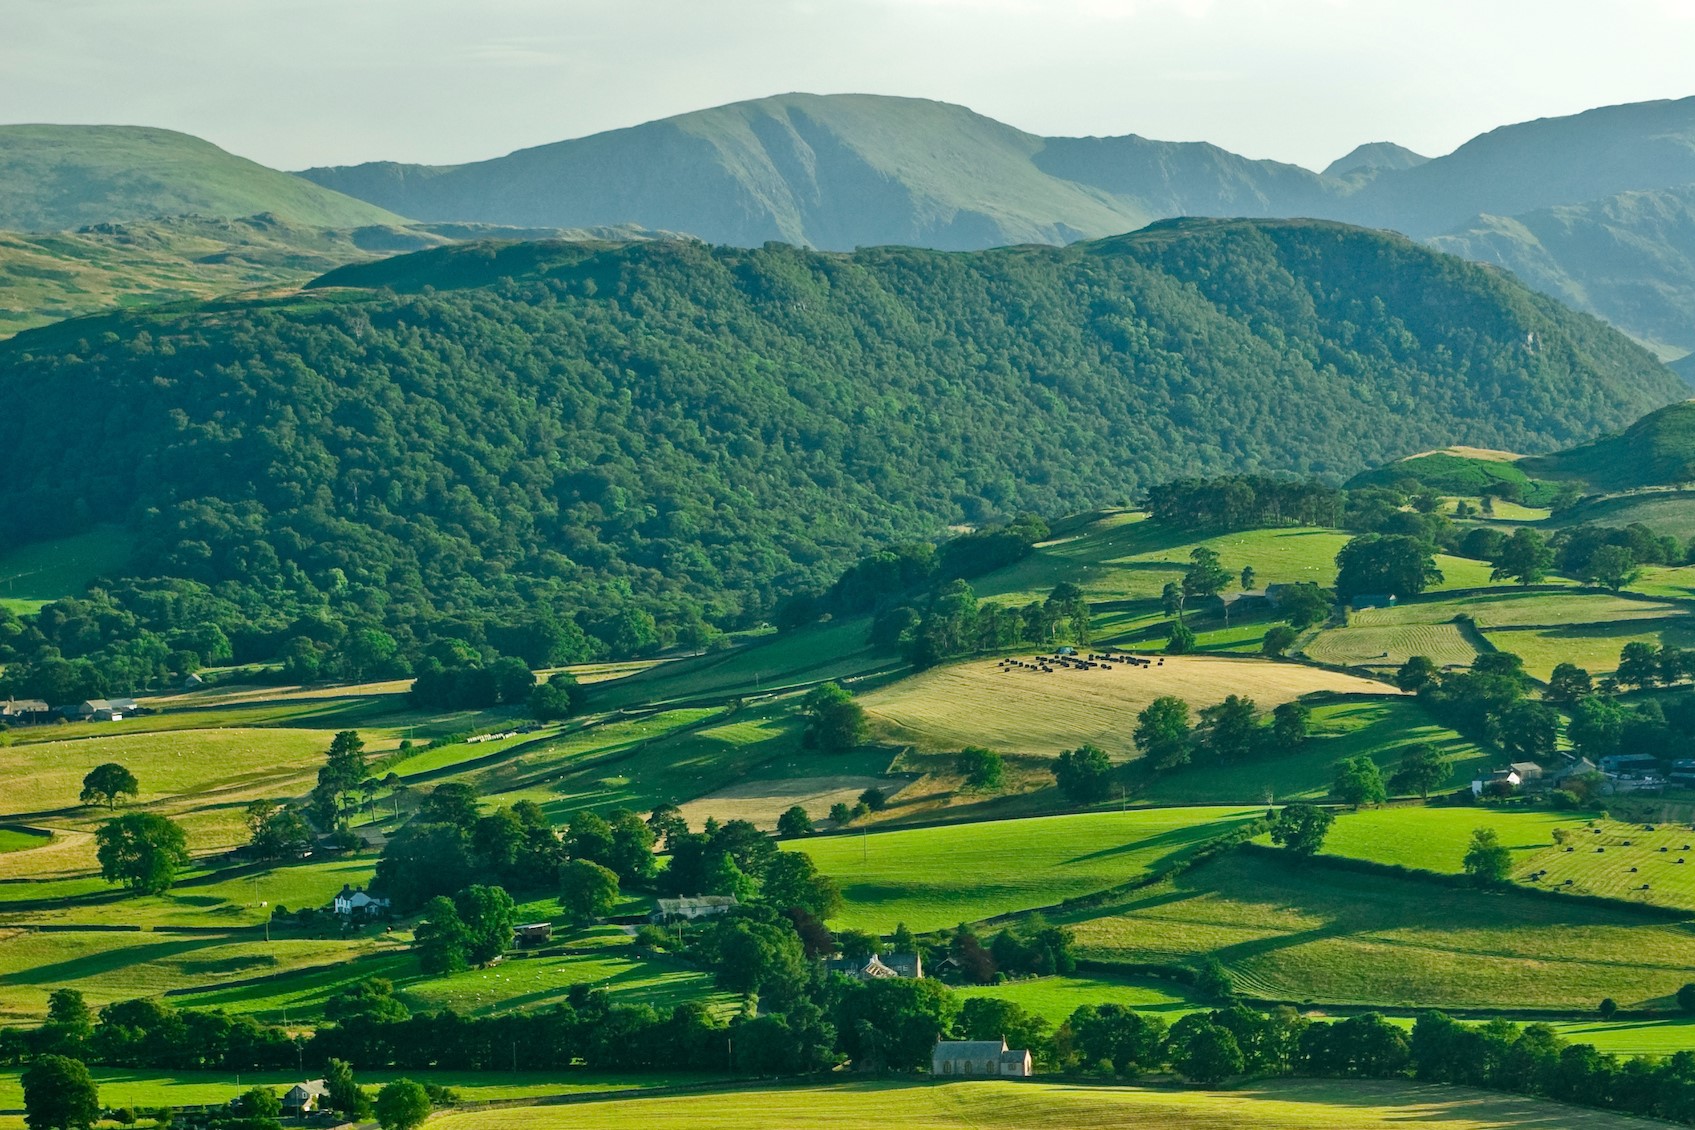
(1374, 157)
(1540, 164)
(1629, 258)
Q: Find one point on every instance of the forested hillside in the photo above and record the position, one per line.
(491, 434)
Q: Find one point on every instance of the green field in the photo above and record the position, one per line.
(517, 983)
(117, 966)
(1310, 932)
(33, 575)
(137, 1088)
(1284, 1104)
(931, 878)
(1056, 998)
(1435, 839)
(1380, 727)
(1631, 866)
(14, 839)
(836, 650)
(1595, 647)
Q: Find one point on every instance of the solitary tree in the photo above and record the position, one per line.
(1524, 558)
(1301, 828)
(794, 822)
(1083, 774)
(1205, 576)
(587, 890)
(1248, 577)
(1416, 673)
(834, 721)
(402, 1105)
(442, 941)
(1289, 721)
(1391, 564)
(342, 1093)
(1421, 770)
(1278, 640)
(1487, 860)
(59, 1094)
(1358, 781)
(1611, 566)
(489, 915)
(1567, 684)
(1181, 641)
(106, 783)
(141, 850)
(1162, 732)
(981, 768)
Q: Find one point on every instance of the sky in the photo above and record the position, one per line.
(294, 83)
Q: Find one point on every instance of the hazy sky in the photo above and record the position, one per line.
(303, 82)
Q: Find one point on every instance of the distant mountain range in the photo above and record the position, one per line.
(1592, 208)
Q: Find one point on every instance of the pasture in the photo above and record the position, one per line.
(1305, 932)
(520, 982)
(931, 878)
(763, 800)
(1056, 998)
(108, 966)
(1381, 728)
(1435, 839)
(992, 1104)
(37, 574)
(1021, 711)
(1595, 647)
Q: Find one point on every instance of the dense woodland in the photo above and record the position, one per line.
(635, 445)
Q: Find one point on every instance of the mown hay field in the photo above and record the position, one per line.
(1020, 711)
(989, 1104)
(930, 878)
(1626, 861)
(1380, 728)
(1307, 931)
(1391, 645)
(1511, 608)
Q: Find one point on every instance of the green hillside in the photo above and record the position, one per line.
(690, 432)
(1462, 475)
(1628, 258)
(1657, 450)
(54, 177)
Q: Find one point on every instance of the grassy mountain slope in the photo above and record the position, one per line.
(1629, 258)
(476, 431)
(50, 276)
(1551, 161)
(56, 177)
(1657, 450)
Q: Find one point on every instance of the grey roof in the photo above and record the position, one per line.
(317, 1088)
(970, 1049)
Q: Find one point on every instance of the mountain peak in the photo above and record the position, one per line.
(1379, 155)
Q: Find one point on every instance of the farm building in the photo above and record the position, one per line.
(533, 933)
(1628, 763)
(21, 710)
(1580, 768)
(879, 968)
(1499, 781)
(980, 1058)
(1372, 600)
(350, 901)
(304, 1098)
(690, 909)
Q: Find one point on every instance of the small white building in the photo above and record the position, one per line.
(352, 901)
(979, 1059)
(691, 909)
